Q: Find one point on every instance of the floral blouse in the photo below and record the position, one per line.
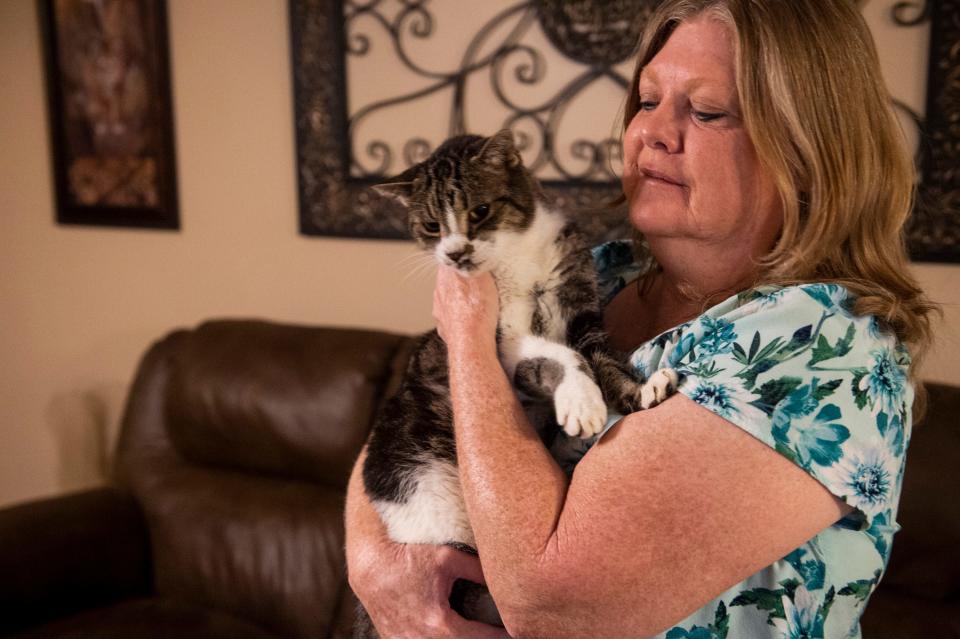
(829, 391)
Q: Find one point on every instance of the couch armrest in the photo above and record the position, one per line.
(66, 554)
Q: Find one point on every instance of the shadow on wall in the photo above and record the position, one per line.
(84, 426)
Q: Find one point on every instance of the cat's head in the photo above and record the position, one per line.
(467, 199)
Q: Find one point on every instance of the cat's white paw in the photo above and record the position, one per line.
(661, 385)
(581, 411)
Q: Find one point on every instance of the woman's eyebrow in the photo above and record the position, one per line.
(691, 83)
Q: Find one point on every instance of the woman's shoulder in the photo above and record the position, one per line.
(798, 369)
(814, 323)
(828, 296)
(789, 308)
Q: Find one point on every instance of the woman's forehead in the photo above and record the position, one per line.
(699, 53)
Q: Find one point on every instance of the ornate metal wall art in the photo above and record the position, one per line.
(337, 163)
(503, 50)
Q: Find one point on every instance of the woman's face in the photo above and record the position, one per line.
(690, 170)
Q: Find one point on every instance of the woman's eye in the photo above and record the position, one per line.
(707, 116)
(647, 105)
(431, 227)
(480, 213)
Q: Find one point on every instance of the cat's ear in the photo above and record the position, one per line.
(400, 187)
(499, 150)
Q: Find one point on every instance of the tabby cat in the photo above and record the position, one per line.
(475, 206)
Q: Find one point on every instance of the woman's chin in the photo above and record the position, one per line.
(656, 221)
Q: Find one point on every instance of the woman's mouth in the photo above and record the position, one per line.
(653, 174)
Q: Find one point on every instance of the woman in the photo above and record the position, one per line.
(765, 169)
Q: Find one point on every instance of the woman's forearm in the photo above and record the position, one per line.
(364, 529)
(514, 490)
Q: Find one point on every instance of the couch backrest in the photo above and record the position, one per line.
(237, 440)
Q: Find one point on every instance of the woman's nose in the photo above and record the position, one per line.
(660, 129)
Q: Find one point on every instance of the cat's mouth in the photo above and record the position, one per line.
(467, 266)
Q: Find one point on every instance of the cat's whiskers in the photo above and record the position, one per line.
(416, 265)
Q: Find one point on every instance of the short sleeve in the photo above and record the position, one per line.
(826, 389)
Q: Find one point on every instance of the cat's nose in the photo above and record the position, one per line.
(456, 256)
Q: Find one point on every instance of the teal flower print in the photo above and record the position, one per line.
(804, 440)
(799, 403)
(865, 476)
(769, 297)
(717, 630)
(820, 442)
(892, 431)
(881, 531)
(678, 350)
(803, 618)
(612, 255)
(884, 382)
(729, 401)
(813, 570)
(615, 267)
(718, 336)
(717, 397)
(831, 296)
(697, 632)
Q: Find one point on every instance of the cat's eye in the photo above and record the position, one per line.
(431, 227)
(480, 213)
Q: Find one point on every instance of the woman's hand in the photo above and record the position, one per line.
(406, 591)
(465, 308)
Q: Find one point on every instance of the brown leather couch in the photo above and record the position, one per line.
(224, 516)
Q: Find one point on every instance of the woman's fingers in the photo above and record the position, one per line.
(460, 627)
(464, 306)
(461, 565)
(412, 595)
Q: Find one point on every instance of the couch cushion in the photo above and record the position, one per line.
(238, 440)
(148, 619)
(268, 550)
(269, 398)
(69, 553)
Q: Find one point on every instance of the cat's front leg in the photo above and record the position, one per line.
(624, 391)
(658, 387)
(544, 368)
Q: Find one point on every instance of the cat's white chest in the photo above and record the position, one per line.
(529, 305)
(535, 313)
(528, 283)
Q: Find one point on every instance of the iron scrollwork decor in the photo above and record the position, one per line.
(337, 164)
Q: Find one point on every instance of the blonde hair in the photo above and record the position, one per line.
(822, 122)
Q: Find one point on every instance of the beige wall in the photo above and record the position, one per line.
(79, 305)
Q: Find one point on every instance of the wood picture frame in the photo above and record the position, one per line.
(933, 232)
(110, 112)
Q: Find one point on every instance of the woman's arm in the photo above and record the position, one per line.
(672, 507)
(405, 588)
